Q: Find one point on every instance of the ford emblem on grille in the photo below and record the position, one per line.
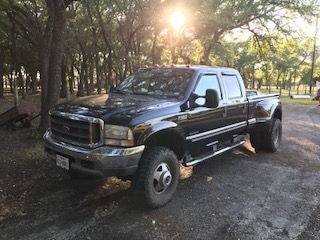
(66, 128)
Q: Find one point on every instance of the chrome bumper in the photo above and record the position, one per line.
(102, 161)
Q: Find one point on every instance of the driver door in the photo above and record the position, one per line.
(203, 121)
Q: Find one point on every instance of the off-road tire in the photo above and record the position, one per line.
(274, 136)
(151, 161)
(256, 140)
(267, 140)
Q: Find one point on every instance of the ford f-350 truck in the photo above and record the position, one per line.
(158, 118)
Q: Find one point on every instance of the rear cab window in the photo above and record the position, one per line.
(233, 87)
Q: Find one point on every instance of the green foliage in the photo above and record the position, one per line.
(108, 39)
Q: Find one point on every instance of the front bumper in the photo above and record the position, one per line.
(102, 161)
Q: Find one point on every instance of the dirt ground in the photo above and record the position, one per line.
(238, 195)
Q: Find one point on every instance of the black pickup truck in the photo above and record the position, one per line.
(158, 118)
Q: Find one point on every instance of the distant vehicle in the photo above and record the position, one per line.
(157, 117)
(252, 92)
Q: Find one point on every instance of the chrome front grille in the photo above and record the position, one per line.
(77, 129)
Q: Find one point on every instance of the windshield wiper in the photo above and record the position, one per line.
(143, 94)
(120, 91)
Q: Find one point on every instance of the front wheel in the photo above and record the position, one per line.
(158, 176)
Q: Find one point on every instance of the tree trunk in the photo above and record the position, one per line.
(110, 66)
(305, 89)
(64, 87)
(109, 81)
(44, 57)
(34, 81)
(54, 67)
(13, 53)
(22, 85)
(11, 80)
(278, 79)
(81, 81)
(253, 76)
(15, 93)
(91, 77)
(84, 70)
(206, 54)
(1, 75)
(71, 80)
(282, 81)
(95, 39)
(290, 84)
(28, 81)
(99, 85)
(6, 83)
(127, 59)
(104, 72)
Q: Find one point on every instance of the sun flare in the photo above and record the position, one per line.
(177, 20)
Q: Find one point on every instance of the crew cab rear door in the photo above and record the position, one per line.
(236, 103)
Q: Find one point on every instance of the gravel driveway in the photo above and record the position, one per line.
(238, 195)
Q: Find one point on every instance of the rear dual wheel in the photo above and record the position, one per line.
(269, 139)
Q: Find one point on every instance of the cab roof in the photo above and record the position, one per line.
(198, 68)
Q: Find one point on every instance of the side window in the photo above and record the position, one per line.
(233, 87)
(207, 82)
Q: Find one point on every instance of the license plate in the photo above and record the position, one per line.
(62, 162)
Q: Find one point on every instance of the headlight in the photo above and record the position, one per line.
(118, 136)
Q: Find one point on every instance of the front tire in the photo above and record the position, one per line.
(158, 176)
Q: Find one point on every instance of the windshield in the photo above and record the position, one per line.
(162, 82)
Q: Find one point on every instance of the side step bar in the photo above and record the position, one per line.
(188, 164)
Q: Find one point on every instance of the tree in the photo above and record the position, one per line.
(91, 45)
(51, 57)
(216, 18)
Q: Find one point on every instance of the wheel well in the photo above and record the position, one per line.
(277, 114)
(168, 139)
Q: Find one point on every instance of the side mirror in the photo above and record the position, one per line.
(212, 98)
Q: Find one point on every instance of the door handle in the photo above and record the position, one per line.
(224, 114)
(244, 108)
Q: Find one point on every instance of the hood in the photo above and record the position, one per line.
(119, 108)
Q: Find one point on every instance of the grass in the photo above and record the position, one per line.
(286, 100)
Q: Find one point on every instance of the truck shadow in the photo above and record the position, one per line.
(55, 191)
(58, 200)
(63, 192)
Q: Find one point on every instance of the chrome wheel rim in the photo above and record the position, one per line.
(162, 178)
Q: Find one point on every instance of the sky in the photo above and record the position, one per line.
(299, 24)
(305, 27)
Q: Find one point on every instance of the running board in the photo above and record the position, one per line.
(188, 164)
